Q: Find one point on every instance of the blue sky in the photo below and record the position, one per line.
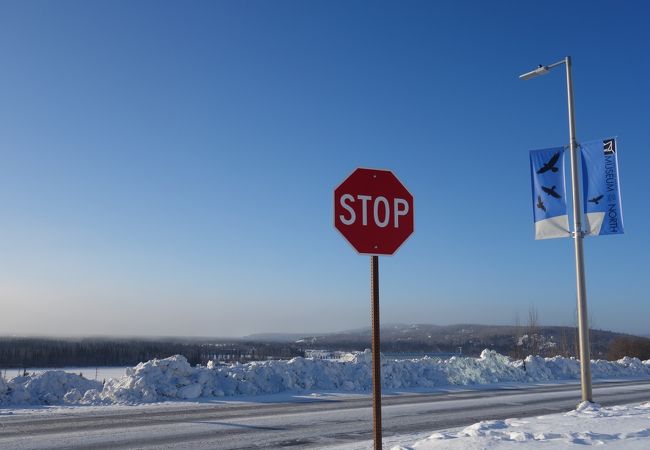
(167, 168)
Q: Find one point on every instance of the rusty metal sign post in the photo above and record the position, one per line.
(376, 353)
(374, 212)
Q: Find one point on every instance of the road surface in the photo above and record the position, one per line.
(310, 424)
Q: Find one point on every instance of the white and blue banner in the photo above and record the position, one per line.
(600, 188)
(549, 193)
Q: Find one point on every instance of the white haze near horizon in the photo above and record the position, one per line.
(54, 315)
(263, 333)
(56, 307)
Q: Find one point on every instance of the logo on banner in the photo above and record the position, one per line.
(609, 146)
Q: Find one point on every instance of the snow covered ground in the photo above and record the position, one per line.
(174, 379)
(300, 421)
(622, 427)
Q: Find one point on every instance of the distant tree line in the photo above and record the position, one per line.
(47, 352)
(518, 341)
(94, 352)
(636, 347)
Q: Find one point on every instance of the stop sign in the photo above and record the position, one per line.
(373, 211)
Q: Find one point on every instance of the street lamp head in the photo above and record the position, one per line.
(541, 70)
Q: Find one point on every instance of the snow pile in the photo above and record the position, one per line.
(51, 387)
(622, 427)
(174, 378)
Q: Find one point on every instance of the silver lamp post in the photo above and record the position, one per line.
(578, 234)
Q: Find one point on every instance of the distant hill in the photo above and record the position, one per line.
(471, 339)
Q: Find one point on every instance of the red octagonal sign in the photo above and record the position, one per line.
(373, 211)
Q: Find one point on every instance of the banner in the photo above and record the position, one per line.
(549, 193)
(600, 188)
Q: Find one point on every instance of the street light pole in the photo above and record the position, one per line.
(578, 237)
(578, 234)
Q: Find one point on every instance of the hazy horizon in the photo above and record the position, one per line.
(282, 333)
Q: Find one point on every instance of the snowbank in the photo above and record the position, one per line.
(622, 427)
(47, 388)
(174, 378)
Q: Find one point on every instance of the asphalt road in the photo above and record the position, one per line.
(309, 424)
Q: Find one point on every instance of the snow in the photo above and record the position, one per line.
(623, 427)
(46, 388)
(174, 378)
